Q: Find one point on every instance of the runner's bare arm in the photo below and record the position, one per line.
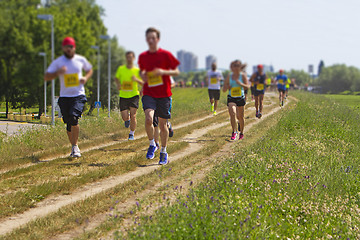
(246, 84)
(50, 76)
(117, 81)
(172, 72)
(143, 76)
(85, 78)
(139, 81)
(226, 84)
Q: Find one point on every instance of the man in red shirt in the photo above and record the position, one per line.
(157, 66)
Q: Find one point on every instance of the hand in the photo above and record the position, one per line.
(133, 78)
(62, 70)
(82, 80)
(143, 75)
(158, 72)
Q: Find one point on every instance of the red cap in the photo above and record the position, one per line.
(281, 70)
(260, 66)
(68, 41)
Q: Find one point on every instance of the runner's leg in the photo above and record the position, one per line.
(149, 115)
(261, 100)
(241, 117)
(133, 120)
(232, 113)
(125, 115)
(164, 132)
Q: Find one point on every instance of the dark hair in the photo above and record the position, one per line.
(130, 52)
(152, 29)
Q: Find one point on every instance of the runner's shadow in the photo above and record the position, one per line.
(72, 164)
(99, 165)
(147, 165)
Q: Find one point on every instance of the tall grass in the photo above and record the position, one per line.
(300, 181)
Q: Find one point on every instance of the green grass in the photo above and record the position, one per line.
(300, 181)
(32, 144)
(349, 100)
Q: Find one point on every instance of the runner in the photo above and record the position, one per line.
(72, 99)
(156, 66)
(252, 89)
(127, 79)
(281, 80)
(287, 87)
(236, 83)
(268, 83)
(213, 78)
(258, 78)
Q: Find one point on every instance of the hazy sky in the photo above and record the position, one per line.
(289, 34)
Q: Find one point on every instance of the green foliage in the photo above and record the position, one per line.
(23, 36)
(339, 78)
(300, 181)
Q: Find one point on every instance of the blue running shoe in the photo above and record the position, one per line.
(163, 158)
(131, 137)
(151, 152)
(127, 123)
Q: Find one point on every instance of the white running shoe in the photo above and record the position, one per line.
(75, 152)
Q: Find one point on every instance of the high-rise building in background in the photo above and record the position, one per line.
(210, 60)
(188, 61)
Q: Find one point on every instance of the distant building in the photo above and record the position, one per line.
(210, 60)
(267, 68)
(188, 61)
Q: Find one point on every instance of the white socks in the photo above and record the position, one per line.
(152, 142)
(163, 149)
(132, 132)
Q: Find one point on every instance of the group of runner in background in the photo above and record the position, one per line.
(154, 75)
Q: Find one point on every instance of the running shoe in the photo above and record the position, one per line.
(212, 107)
(151, 152)
(163, 159)
(127, 123)
(215, 113)
(259, 115)
(233, 136)
(171, 131)
(131, 137)
(75, 151)
(241, 136)
(282, 103)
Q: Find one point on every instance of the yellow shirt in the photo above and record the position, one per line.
(129, 88)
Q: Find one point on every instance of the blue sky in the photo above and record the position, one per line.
(289, 34)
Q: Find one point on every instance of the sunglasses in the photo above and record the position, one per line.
(69, 46)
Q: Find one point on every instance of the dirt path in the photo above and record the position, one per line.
(54, 203)
(108, 144)
(223, 153)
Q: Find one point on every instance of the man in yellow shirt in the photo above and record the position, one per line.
(127, 79)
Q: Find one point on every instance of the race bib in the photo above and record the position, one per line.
(260, 87)
(236, 92)
(281, 81)
(71, 80)
(127, 86)
(154, 81)
(213, 80)
(252, 84)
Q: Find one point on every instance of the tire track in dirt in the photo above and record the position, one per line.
(53, 204)
(223, 153)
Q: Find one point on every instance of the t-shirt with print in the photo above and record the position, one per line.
(70, 85)
(157, 86)
(129, 88)
(214, 78)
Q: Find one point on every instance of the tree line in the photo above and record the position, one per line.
(23, 36)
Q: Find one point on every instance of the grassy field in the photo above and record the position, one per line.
(349, 100)
(299, 181)
(34, 144)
